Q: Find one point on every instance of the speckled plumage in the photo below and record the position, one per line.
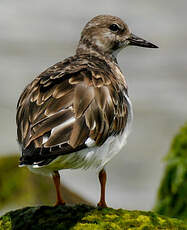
(81, 87)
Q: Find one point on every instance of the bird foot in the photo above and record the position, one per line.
(102, 204)
(60, 203)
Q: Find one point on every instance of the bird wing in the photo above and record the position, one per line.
(68, 106)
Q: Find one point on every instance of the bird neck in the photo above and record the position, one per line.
(85, 46)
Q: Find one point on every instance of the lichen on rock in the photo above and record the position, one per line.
(83, 217)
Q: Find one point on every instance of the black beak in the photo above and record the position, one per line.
(136, 41)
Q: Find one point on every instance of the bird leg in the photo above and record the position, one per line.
(102, 179)
(56, 180)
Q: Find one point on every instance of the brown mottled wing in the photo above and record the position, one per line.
(64, 106)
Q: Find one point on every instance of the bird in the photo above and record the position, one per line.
(77, 113)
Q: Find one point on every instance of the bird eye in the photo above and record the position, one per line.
(114, 27)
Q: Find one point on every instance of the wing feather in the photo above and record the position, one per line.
(60, 103)
(60, 136)
(83, 96)
(79, 133)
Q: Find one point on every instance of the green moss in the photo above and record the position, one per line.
(172, 195)
(5, 223)
(82, 217)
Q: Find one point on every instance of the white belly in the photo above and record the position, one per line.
(92, 157)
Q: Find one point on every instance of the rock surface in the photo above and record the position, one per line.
(82, 217)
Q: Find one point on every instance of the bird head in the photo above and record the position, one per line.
(109, 35)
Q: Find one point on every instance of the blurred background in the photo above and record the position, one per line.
(36, 34)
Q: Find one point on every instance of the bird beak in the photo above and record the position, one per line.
(136, 41)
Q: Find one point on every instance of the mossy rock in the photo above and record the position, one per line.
(172, 195)
(20, 187)
(82, 217)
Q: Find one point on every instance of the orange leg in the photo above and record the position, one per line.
(102, 179)
(56, 179)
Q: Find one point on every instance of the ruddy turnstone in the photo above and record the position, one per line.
(77, 113)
